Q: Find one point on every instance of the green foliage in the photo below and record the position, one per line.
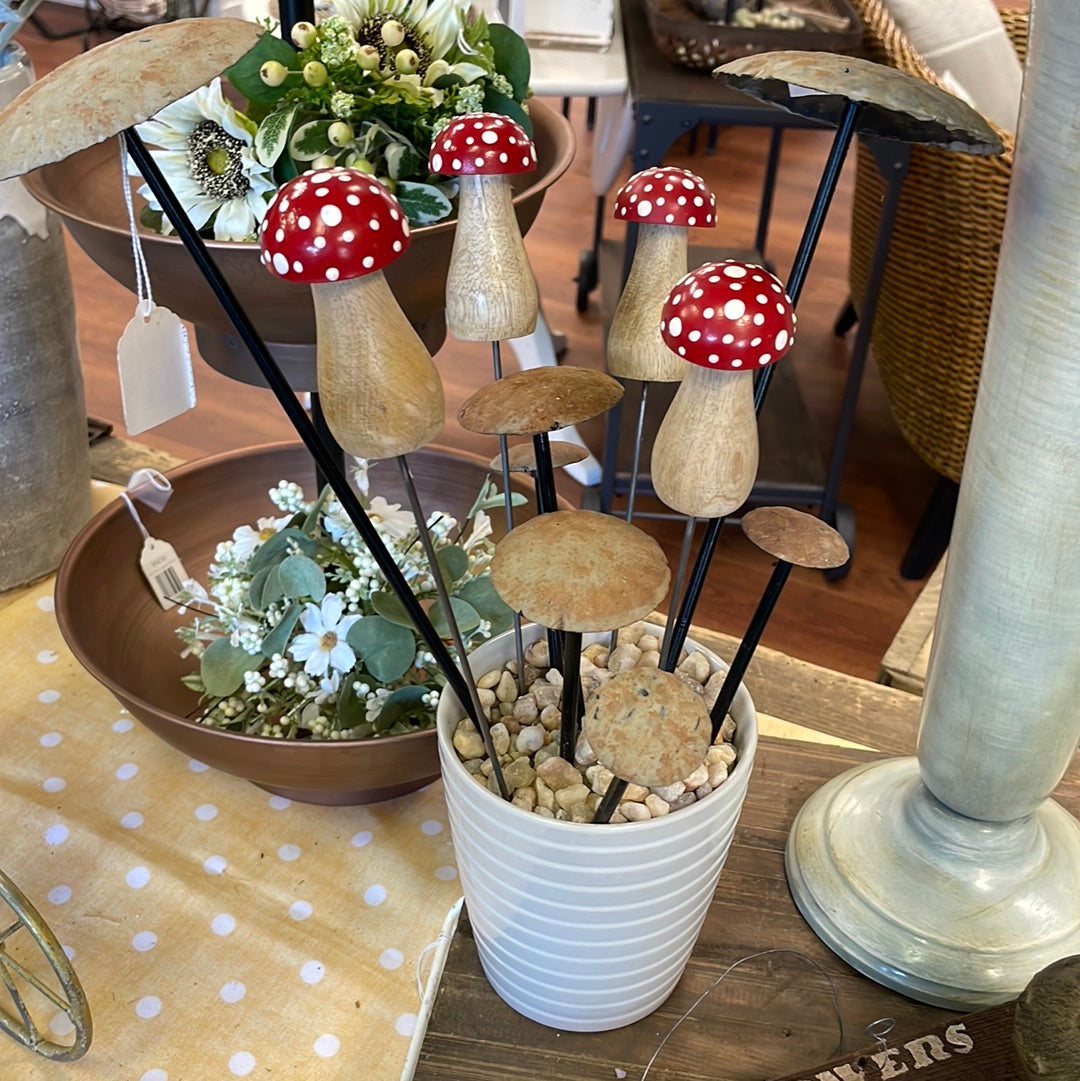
(244, 74)
(388, 649)
(223, 665)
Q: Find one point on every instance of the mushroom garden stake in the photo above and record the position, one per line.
(796, 539)
(578, 571)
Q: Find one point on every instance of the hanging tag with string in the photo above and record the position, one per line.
(158, 561)
(153, 356)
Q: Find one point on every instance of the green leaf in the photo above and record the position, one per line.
(494, 102)
(278, 638)
(277, 548)
(511, 57)
(386, 650)
(465, 615)
(423, 203)
(222, 667)
(310, 140)
(313, 515)
(302, 577)
(351, 708)
(454, 562)
(481, 594)
(273, 134)
(390, 607)
(244, 74)
(404, 710)
(265, 588)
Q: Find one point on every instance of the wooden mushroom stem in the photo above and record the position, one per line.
(705, 456)
(635, 349)
(490, 289)
(381, 394)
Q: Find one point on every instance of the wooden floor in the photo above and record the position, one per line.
(845, 625)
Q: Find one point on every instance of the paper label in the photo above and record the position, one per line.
(163, 570)
(154, 361)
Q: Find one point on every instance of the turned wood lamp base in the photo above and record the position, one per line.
(945, 909)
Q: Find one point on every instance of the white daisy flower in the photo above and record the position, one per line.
(390, 519)
(208, 158)
(323, 647)
(247, 539)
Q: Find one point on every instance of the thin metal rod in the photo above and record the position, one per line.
(572, 705)
(451, 620)
(323, 458)
(545, 473)
(808, 243)
(745, 652)
(610, 800)
(677, 585)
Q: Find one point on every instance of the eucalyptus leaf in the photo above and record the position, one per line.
(511, 57)
(389, 607)
(465, 615)
(310, 140)
(454, 562)
(386, 650)
(404, 709)
(351, 707)
(222, 667)
(244, 74)
(422, 203)
(277, 639)
(277, 548)
(273, 134)
(301, 577)
(481, 594)
(311, 519)
(499, 500)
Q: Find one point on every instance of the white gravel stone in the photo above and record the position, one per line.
(626, 656)
(500, 739)
(670, 792)
(656, 805)
(634, 812)
(530, 740)
(536, 653)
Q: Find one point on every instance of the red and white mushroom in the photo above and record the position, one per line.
(490, 288)
(665, 202)
(728, 320)
(378, 386)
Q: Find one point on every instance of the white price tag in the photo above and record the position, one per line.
(163, 570)
(154, 360)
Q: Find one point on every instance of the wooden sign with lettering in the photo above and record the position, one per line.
(977, 1047)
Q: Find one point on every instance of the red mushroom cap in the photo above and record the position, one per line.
(666, 195)
(730, 315)
(331, 225)
(482, 144)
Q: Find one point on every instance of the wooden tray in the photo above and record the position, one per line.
(688, 39)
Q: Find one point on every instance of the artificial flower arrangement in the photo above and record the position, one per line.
(368, 86)
(298, 634)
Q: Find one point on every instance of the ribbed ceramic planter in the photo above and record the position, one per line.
(586, 927)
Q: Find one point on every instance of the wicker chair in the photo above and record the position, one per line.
(930, 325)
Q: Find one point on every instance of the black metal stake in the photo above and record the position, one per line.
(610, 800)
(807, 245)
(546, 502)
(572, 705)
(323, 458)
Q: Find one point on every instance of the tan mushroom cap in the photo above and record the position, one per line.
(116, 84)
(521, 458)
(796, 537)
(539, 400)
(580, 571)
(648, 727)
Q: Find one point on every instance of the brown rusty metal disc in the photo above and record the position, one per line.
(539, 400)
(894, 105)
(521, 458)
(796, 537)
(116, 84)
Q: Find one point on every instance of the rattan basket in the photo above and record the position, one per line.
(690, 40)
(930, 328)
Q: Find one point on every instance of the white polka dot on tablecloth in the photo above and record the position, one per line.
(446, 873)
(46, 604)
(405, 1025)
(148, 1006)
(143, 941)
(375, 895)
(215, 865)
(125, 724)
(391, 959)
(223, 924)
(48, 697)
(312, 972)
(278, 803)
(288, 853)
(131, 820)
(326, 1046)
(54, 784)
(126, 771)
(57, 834)
(205, 812)
(360, 839)
(242, 1063)
(300, 910)
(233, 991)
(137, 877)
(196, 766)
(156, 1074)
(47, 656)
(69, 952)
(61, 1025)
(59, 895)
(431, 827)
(50, 739)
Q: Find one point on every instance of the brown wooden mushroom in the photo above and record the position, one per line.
(521, 458)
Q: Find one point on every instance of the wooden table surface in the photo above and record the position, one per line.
(773, 1015)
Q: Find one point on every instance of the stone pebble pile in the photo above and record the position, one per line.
(525, 734)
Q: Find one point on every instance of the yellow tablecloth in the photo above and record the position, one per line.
(218, 932)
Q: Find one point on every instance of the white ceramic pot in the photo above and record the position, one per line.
(579, 926)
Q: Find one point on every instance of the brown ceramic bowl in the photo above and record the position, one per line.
(117, 631)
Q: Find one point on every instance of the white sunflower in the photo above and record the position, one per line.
(207, 156)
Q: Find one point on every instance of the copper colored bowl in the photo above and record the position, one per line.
(117, 631)
(85, 190)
